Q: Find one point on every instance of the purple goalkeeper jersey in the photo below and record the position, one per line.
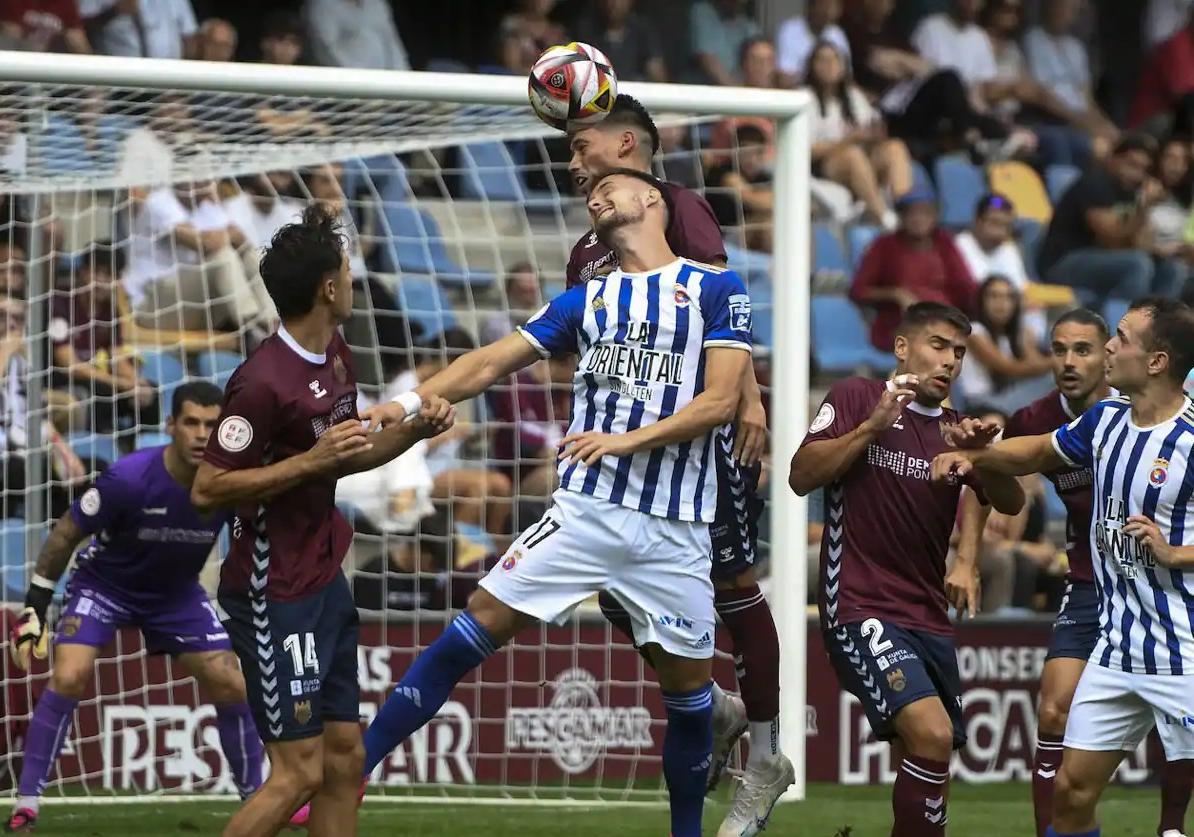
(887, 524)
(149, 543)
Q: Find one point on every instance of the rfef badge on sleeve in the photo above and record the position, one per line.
(740, 312)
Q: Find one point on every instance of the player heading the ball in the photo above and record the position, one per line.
(288, 429)
(664, 345)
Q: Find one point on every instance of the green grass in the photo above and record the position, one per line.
(975, 811)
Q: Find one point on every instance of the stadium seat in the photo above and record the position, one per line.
(751, 265)
(1113, 312)
(921, 181)
(418, 246)
(829, 256)
(1058, 179)
(422, 300)
(840, 341)
(12, 558)
(93, 448)
(1030, 234)
(762, 315)
(162, 368)
(859, 237)
(961, 184)
(60, 145)
(152, 440)
(489, 172)
(1021, 185)
(218, 366)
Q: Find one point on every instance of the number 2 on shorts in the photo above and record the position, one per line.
(872, 629)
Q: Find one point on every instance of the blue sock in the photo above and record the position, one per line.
(1051, 832)
(687, 749)
(426, 685)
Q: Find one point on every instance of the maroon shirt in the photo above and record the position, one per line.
(276, 405)
(887, 524)
(87, 324)
(1073, 484)
(692, 232)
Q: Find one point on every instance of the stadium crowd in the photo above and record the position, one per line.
(989, 154)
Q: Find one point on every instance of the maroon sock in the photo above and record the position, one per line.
(1177, 780)
(918, 798)
(1044, 770)
(747, 617)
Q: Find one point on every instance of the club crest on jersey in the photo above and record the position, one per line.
(1159, 474)
(302, 711)
(339, 370)
(681, 296)
(896, 680)
(598, 303)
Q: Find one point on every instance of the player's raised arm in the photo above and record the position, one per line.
(1011, 458)
(434, 417)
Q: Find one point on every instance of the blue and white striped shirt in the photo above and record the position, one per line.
(641, 340)
(1146, 610)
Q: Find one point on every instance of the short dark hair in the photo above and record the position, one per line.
(1086, 317)
(644, 176)
(200, 393)
(299, 258)
(628, 112)
(926, 313)
(1171, 331)
(993, 200)
(282, 24)
(1135, 142)
(749, 134)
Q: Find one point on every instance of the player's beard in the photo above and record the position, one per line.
(607, 225)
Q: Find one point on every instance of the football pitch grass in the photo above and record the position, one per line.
(831, 810)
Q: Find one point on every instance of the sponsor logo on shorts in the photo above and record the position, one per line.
(89, 503)
(296, 688)
(704, 642)
(69, 626)
(83, 608)
(302, 711)
(234, 433)
(677, 621)
(896, 680)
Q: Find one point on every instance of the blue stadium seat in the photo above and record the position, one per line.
(418, 247)
(93, 448)
(762, 315)
(1113, 312)
(961, 184)
(921, 182)
(162, 367)
(218, 365)
(152, 440)
(423, 303)
(12, 559)
(60, 145)
(751, 265)
(489, 172)
(1030, 234)
(860, 237)
(829, 256)
(1058, 179)
(840, 341)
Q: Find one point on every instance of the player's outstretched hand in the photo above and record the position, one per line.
(962, 588)
(951, 466)
(1149, 535)
(750, 434)
(891, 404)
(971, 433)
(591, 446)
(435, 416)
(30, 636)
(342, 441)
(380, 416)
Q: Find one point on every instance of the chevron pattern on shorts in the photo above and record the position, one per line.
(834, 508)
(737, 486)
(266, 664)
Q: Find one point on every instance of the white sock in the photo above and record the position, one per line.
(764, 743)
(33, 803)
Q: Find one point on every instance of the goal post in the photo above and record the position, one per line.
(365, 113)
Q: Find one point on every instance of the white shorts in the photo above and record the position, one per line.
(658, 569)
(1114, 710)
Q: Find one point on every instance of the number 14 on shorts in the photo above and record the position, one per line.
(302, 653)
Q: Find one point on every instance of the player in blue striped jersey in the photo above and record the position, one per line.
(664, 345)
(1141, 449)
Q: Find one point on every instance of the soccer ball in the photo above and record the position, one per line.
(572, 85)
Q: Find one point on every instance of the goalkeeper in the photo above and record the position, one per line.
(141, 569)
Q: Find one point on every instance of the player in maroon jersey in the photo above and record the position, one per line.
(628, 138)
(287, 431)
(887, 527)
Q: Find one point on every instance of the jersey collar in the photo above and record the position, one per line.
(310, 357)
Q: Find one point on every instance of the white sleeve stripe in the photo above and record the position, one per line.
(726, 344)
(1062, 453)
(535, 344)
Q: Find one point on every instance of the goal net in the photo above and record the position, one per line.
(135, 197)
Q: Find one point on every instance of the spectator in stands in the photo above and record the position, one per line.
(13, 269)
(478, 496)
(718, 28)
(916, 263)
(45, 25)
(144, 28)
(261, 205)
(1169, 218)
(1097, 239)
(531, 21)
(281, 39)
(740, 190)
(798, 35)
(756, 68)
(355, 33)
(89, 356)
(631, 45)
(217, 40)
(1005, 367)
(850, 142)
(1060, 64)
(1164, 102)
(925, 105)
(411, 574)
(1162, 18)
(324, 183)
(523, 298)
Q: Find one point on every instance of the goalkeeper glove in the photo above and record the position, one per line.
(30, 636)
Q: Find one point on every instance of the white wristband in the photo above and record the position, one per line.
(410, 401)
(43, 582)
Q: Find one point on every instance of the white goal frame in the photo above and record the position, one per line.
(791, 267)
